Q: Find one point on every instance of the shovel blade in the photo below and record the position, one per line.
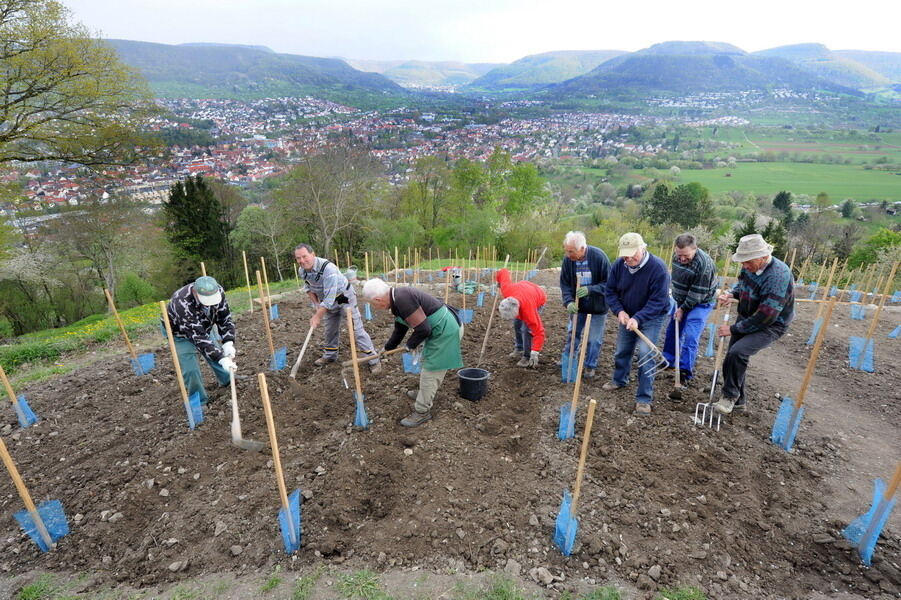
(361, 419)
(54, 519)
(409, 365)
(194, 410)
(279, 359)
(273, 312)
(26, 416)
(864, 531)
(566, 430)
(289, 521)
(895, 332)
(143, 364)
(565, 527)
(786, 425)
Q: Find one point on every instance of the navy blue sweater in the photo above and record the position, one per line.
(644, 295)
(598, 263)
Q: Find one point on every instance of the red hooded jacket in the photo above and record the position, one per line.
(531, 297)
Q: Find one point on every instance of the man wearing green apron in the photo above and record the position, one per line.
(434, 325)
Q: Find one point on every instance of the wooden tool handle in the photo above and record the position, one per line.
(678, 344)
(175, 363)
(273, 442)
(353, 352)
(236, 418)
(719, 348)
(491, 317)
(893, 484)
(265, 311)
(247, 279)
(538, 262)
(268, 300)
(888, 284)
(303, 349)
(586, 435)
(9, 388)
(826, 288)
(202, 269)
(645, 339)
(112, 307)
(585, 331)
(812, 361)
(23, 493)
(363, 359)
(571, 356)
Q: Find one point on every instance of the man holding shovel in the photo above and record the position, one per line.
(193, 312)
(330, 292)
(583, 276)
(434, 325)
(638, 294)
(522, 304)
(694, 290)
(766, 305)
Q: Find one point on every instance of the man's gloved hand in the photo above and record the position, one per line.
(228, 364)
(533, 358)
(581, 291)
(572, 308)
(228, 348)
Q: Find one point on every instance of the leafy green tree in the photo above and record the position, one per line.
(66, 95)
(783, 201)
(196, 224)
(686, 205)
(264, 231)
(776, 235)
(526, 189)
(847, 209)
(427, 196)
(822, 201)
(866, 253)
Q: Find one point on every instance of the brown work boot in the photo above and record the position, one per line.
(322, 361)
(415, 419)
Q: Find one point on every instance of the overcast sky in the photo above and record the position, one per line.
(492, 30)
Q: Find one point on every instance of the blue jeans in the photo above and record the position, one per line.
(595, 337)
(522, 336)
(622, 360)
(190, 368)
(690, 328)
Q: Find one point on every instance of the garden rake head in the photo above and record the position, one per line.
(653, 356)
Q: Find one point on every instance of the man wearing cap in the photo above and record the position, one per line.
(434, 325)
(694, 291)
(638, 294)
(583, 275)
(766, 305)
(194, 310)
(522, 304)
(331, 293)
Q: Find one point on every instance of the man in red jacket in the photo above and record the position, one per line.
(522, 303)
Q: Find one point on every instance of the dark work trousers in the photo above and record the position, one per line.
(741, 348)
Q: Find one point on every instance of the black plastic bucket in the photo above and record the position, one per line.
(473, 383)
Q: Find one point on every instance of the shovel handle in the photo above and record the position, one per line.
(247, 279)
(23, 493)
(363, 359)
(585, 330)
(811, 363)
(303, 349)
(583, 454)
(353, 352)
(265, 312)
(8, 387)
(893, 484)
(678, 347)
(491, 318)
(176, 364)
(273, 442)
(112, 306)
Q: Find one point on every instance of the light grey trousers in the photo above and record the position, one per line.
(333, 319)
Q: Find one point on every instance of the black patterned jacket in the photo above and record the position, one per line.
(193, 321)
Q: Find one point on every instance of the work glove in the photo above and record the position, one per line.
(533, 358)
(581, 291)
(572, 308)
(228, 364)
(228, 348)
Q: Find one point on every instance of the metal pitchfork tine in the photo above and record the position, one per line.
(653, 355)
(706, 408)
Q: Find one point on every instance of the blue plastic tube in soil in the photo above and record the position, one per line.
(865, 530)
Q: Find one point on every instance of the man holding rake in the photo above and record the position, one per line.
(194, 310)
(766, 305)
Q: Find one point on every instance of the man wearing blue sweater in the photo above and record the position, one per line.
(638, 294)
(583, 277)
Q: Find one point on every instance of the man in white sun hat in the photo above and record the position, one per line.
(194, 310)
(766, 305)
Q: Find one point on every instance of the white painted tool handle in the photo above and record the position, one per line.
(303, 349)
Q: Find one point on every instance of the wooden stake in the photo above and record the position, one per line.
(366, 263)
(822, 306)
(112, 307)
(353, 352)
(276, 455)
(265, 312)
(583, 454)
(888, 284)
(25, 496)
(202, 269)
(812, 361)
(575, 401)
(491, 317)
(264, 291)
(247, 279)
(181, 381)
(791, 264)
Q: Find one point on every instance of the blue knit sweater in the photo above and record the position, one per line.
(644, 295)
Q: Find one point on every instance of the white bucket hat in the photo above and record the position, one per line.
(751, 247)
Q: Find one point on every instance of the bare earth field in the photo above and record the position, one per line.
(664, 503)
